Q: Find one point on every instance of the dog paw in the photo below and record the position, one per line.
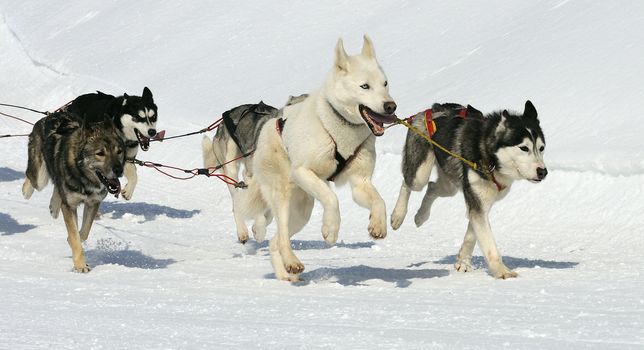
(421, 217)
(377, 227)
(503, 272)
(54, 212)
(259, 232)
(82, 269)
(242, 237)
(27, 189)
(294, 268)
(330, 228)
(463, 265)
(397, 219)
(127, 192)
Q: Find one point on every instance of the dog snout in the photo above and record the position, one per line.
(390, 107)
(541, 173)
(152, 132)
(118, 170)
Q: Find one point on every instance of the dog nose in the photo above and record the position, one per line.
(541, 173)
(390, 107)
(152, 132)
(118, 170)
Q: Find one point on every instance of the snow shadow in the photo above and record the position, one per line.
(358, 275)
(147, 210)
(9, 226)
(252, 247)
(111, 252)
(8, 174)
(511, 262)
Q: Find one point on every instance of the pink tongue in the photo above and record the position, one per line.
(385, 119)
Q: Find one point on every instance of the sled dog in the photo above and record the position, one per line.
(330, 136)
(134, 117)
(236, 138)
(84, 161)
(507, 147)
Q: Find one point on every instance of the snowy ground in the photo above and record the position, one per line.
(167, 271)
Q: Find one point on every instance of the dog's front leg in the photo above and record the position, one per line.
(54, 204)
(89, 213)
(464, 258)
(366, 195)
(320, 190)
(481, 225)
(129, 170)
(73, 238)
(285, 264)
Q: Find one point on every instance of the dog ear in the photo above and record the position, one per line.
(529, 111)
(367, 47)
(341, 57)
(501, 126)
(147, 94)
(473, 111)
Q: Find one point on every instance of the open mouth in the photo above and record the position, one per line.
(144, 142)
(113, 185)
(376, 121)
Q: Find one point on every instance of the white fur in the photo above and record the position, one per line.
(290, 170)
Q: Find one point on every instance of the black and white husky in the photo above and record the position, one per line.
(134, 117)
(237, 137)
(505, 146)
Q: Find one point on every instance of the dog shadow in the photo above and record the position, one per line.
(358, 275)
(9, 226)
(511, 262)
(126, 258)
(147, 210)
(8, 175)
(253, 247)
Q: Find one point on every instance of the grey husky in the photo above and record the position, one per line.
(84, 162)
(238, 137)
(506, 146)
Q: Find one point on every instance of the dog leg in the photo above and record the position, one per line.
(291, 266)
(366, 195)
(319, 189)
(73, 238)
(464, 258)
(89, 213)
(129, 170)
(441, 188)
(400, 210)
(259, 226)
(481, 225)
(27, 189)
(54, 204)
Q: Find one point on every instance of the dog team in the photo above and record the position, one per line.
(327, 135)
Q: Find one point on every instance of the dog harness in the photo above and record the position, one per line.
(340, 160)
(431, 125)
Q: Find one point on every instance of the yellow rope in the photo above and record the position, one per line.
(426, 137)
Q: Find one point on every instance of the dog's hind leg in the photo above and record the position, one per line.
(415, 178)
(54, 204)
(74, 240)
(259, 226)
(89, 213)
(37, 176)
(441, 188)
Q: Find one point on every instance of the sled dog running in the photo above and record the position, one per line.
(507, 146)
(330, 136)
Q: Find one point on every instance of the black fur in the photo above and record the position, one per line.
(244, 122)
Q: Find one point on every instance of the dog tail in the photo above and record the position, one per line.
(249, 201)
(209, 158)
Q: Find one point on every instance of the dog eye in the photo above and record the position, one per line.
(365, 86)
(524, 149)
(541, 149)
(386, 83)
(100, 153)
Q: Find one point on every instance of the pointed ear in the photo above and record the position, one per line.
(341, 57)
(473, 111)
(529, 111)
(501, 126)
(147, 94)
(367, 47)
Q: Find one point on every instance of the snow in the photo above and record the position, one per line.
(167, 271)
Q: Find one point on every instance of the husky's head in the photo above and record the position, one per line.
(139, 118)
(521, 145)
(357, 89)
(102, 154)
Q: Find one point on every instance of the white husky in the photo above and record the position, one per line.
(330, 136)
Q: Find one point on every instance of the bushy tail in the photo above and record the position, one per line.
(249, 201)
(209, 158)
